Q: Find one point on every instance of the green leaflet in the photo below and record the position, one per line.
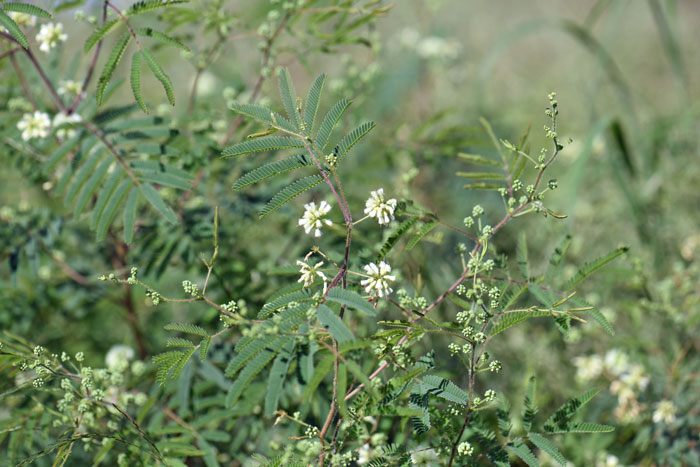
(153, 197)
(290, 192)
(555, 261)
(204, 348)
(444, 389)
(312, 102)
(99, 34)
(178, 342)
(277, 303)
(523, 261)
(503, 416)
(252, 368)
(481, 175)
(26, 8)
(590, 268)
(91, 186)
(395, 236)
(329, 122)
(422, 231)
(13, 29)
(521, 450)
(272, 169)
(547, 446)
(320, 371)
(148, 5)
(597, 315)
(81, 176)
(289, 97)
(111, 208)
(352, 138)
(559, 418)
(160, 75)
(164, 38)
(136, 80)
(351, 299)
(265, 143)
(334, 324)
(253, 111)
(529, 405)
(187, 329)
(278, 373)
(478, 160)
(508, 320)
(111, 65)
(171, 364)
(104, 195)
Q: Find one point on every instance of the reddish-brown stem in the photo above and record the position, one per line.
(91, 68)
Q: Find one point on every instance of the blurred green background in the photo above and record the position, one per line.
(626, 77)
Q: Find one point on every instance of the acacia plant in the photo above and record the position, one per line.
(349, 361)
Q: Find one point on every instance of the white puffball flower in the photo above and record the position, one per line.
(377, 206)
(377, 284)
(665, 412)
(588, 368)
(50, 35)
(61, 119)
(69, 87)
(313, 218)
(118, 357)
(308, 273)
(36, 125)
(423, 456)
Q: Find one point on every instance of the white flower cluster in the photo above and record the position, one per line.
(424, 456)
(308, 273)
(377, 206)
(313, 218)
(430, 47)
(377, 284)
(117, 358)
(22, 19)
(665, 412)
(50, 35)
(69, 88)
(36, 125)
(62, 119)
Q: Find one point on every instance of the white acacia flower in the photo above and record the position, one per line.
(377, 284)
(61, 119)
(377, 206)
(22, 19)
(665, 412)
(309, 272)
(50, 35)
(313, 217)
(69, 87)
(118, 357)
(36, 125)
(423, 456)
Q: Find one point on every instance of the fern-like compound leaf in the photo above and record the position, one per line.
(273, 305)
(593, 266)
(351, 299)
(154, 198)
(104, 195)
(13, 29)
(530, 408)
(148, 5)
(422, 231)
(265, 143)
(312, 101)
(135, 80)
(508, 320)
(289, 97)
(130, 214)
(161, 37)
(290, 192)
(160, 75)
(111, 65)
(254, 366)
(329, 122)
(110, 210)
(278, 373)
(566, 411)
(99, 34)
(26, 8)
(521, 450)
(548, 447)
(396, 236)
(352, 138)
(272, 169)
(334, 324)
(187, 328)
(478, 160)
(257, 112)
(445, 389)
